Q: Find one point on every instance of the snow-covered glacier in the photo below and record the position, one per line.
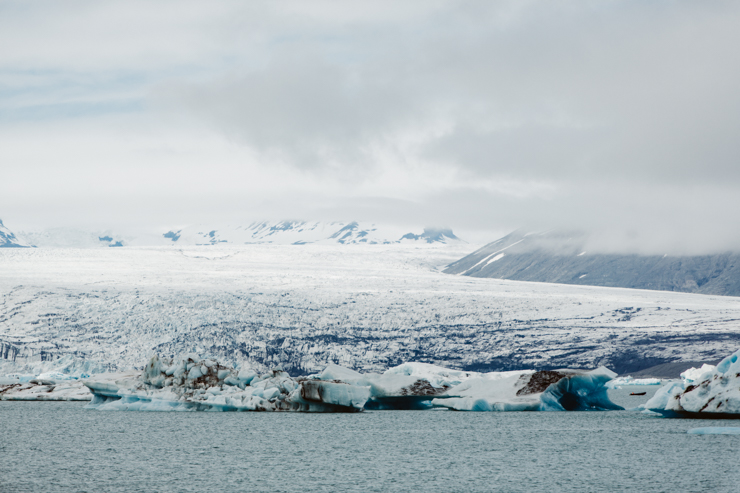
(189, 384)
(706, 392)
(367, 308)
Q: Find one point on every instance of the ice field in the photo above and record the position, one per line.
(365, 307)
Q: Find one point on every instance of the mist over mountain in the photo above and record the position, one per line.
(564, 257)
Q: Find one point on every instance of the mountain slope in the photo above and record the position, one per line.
(560, 257)
(9, 240)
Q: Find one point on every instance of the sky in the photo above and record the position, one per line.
(616, 116)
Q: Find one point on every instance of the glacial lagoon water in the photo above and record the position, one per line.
(48, 447)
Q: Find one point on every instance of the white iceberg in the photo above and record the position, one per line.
(697, 374)
(711, 393)
(628, 380)
(404, 387)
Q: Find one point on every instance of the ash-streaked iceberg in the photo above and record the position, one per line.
(704, 393)
(204, 385)
(560, 390)
(38, 389)
(426, 386)
(404, 387)
(199, 385)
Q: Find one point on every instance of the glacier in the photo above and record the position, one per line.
(301, 308)
(709, 392)
(191, 384)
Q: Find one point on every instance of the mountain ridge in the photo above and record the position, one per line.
(258, 232)
(8, 239)
(561, 257)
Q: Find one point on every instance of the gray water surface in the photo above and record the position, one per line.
(47, 447)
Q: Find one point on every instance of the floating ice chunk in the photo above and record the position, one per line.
(195, 385)
(659, 400)
(44, 390)
(716, 393)
(697, 374)
(397, 388)
(189, 385)
(335, 394)
(561, 390)
(336, 372)
(618, 382)
(437, 376)
(715, 430)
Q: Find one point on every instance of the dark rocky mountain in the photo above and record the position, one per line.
(561, 257)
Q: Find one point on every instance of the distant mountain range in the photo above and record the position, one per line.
(9, 240)
(275, 232)
(561, 257)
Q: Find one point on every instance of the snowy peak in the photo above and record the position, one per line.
(74, 238)
(306, 232)
(260, 232)
(433, 235)
(8, 239)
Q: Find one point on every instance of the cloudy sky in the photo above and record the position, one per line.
(622, 116)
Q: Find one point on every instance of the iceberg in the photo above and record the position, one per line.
(709, 392)
(409, 386)
(190, 384)
(43, 390)
(560, 390)
(628, 380)
(715, 430)
(697, 374)
(206, 385)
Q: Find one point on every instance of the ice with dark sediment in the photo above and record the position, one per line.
(40, 389)
(192, 384)
(711, 392)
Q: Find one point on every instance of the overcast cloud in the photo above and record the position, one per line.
(619, 116)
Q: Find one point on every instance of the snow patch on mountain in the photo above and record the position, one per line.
(261, 232)
(75, 238)
(8, 239)
(305, 232)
